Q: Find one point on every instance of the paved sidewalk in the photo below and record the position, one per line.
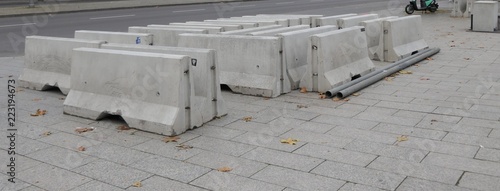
(449, 109)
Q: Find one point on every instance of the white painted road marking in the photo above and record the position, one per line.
(282, 3)
(111, 17)
(15, 25)
(192, 10)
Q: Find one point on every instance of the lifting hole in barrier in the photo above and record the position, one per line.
(225, 87)
(415, 52)
(194, 62)
(157, 93)
(355, 77)
(258, 66)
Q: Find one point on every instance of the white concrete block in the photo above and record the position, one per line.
(304, 19)
(354, 20)
(331, 20)
(249, 24)
(246, 31)
(244, 25)
(469, 8)
(374, 30)
(295, 49)
(485, 16)
(115, 37)
(207, 102)
(149, 91)
(292, 21)
(272, 32)
(261, 21)
(47, 62)
(165, 36)
(459, 8)
(336, 57)
(402, 37)
(225, 26)
(211, 30)
(248, 64)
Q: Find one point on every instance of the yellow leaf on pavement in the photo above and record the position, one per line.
(39, 112)
(170, 139)
(303, 90)
(224, 169)
(247, 119)
(137, 184)
(405, 72)
(403, 138)
(289, 141)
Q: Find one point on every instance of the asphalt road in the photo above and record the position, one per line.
(13, 30)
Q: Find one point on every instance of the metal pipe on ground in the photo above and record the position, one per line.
(334, 91)
(413, 59)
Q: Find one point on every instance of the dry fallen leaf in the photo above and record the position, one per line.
(322, 96)
(452, 45)
(403, 138)
(356, 94)
(123, 128)
(336, 99)
(346, 99)
(83, 129)
(424, 78)
(46, 133)
(429, 58)
(37, 99)
(289, 141)
(302, 106)
(39, 112)
(19, 90)
(170, 139)
(224, 169)
(137, 184)
(433, 120)
(389, 79)
(405, 72)
(62, 98)
(184, 147)
(303, 90)
(467, 58)
(247, 119)
(81, 148)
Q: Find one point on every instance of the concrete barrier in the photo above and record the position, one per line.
(225, 26)
(261, 21)
(254, 24)
(248, 64)
(331, 20)
(165, 36)
(207, 102)
(295, 49)
(149, 91)
(459, 8)
(211, 30)
(374, 30)
(246, 31)
(244, 25)
(272, 32)
(402, 37)
(304, 19)
(354, 20)
(292, 21)
(115, 37)
(485, 16)
(47, 62)
(335, 58)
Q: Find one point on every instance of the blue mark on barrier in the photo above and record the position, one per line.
(138, 40)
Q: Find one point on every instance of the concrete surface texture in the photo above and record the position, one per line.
(347, 22)
(374, 31)
(165, 36)
(485, 16)
(331, 20)
(404, 36)
(116, 37)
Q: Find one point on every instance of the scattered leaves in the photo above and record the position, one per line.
(302, 106)
(170, 139)
(403, 138)
(80, 130)
(39, 112)
(137, 184)
(183, 147)
(224, 169)
(247, 119)
(389, 79)
(424, 78)
(356, 94)
(405, 72)
(322, 96)
(46, 133)
(289, 141)
(37, 99)
(303, 90)
(123, 128)
(429, 58)
(81, 148)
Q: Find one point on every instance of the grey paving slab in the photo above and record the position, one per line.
(485, 108)
(169, 168)
(354, 107)
(440, 147)
(467, 113)
(116, 137)
(298, 114)
(363, 101)
(53, 116)
(465, 164)
(239, 166)
(422, 96)
(117, 154)
(431, 118)
(365, 135)
(26, 145)
(266, 115)
(283, 159)
(226, 181)
(169, 150)
(112, 173)
(223, 121)
(69, 126)
(384, 97)
(342, 121)
(244, 106)
(330, 111)
(267, 141)
(317, 138)
(50, 177)
(25, 162)
(97, 186)
(260, 128)
(18, 185)
(336, 154)
(286, 122)
(481, 123)
(65, 158)
(314, 127)
(217, 132)
(32, 188)
(356, 174)
(410, 131)
(473, 140)
(418, 184)
(297, 179)
(32, 131)
(417, 170)
(495, 133)
(379, 117)
(160, 183)
(480, 182)
(474, 101)
(453, 127)
(410, 114)
(406, 106)
(409, 154)
(357, 187)
(381, 110)
(220, 146)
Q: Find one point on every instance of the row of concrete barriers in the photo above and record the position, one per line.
(166, 78)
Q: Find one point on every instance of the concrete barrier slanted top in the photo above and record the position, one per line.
(211, 30)
(331, 20)
(354, 20)
(403, 37)
(272, 32)
(246, 31)
(165, 36)
(115, 37)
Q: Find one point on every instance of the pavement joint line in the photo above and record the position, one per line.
(15, 25)
(111, 17)
(191, 10)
